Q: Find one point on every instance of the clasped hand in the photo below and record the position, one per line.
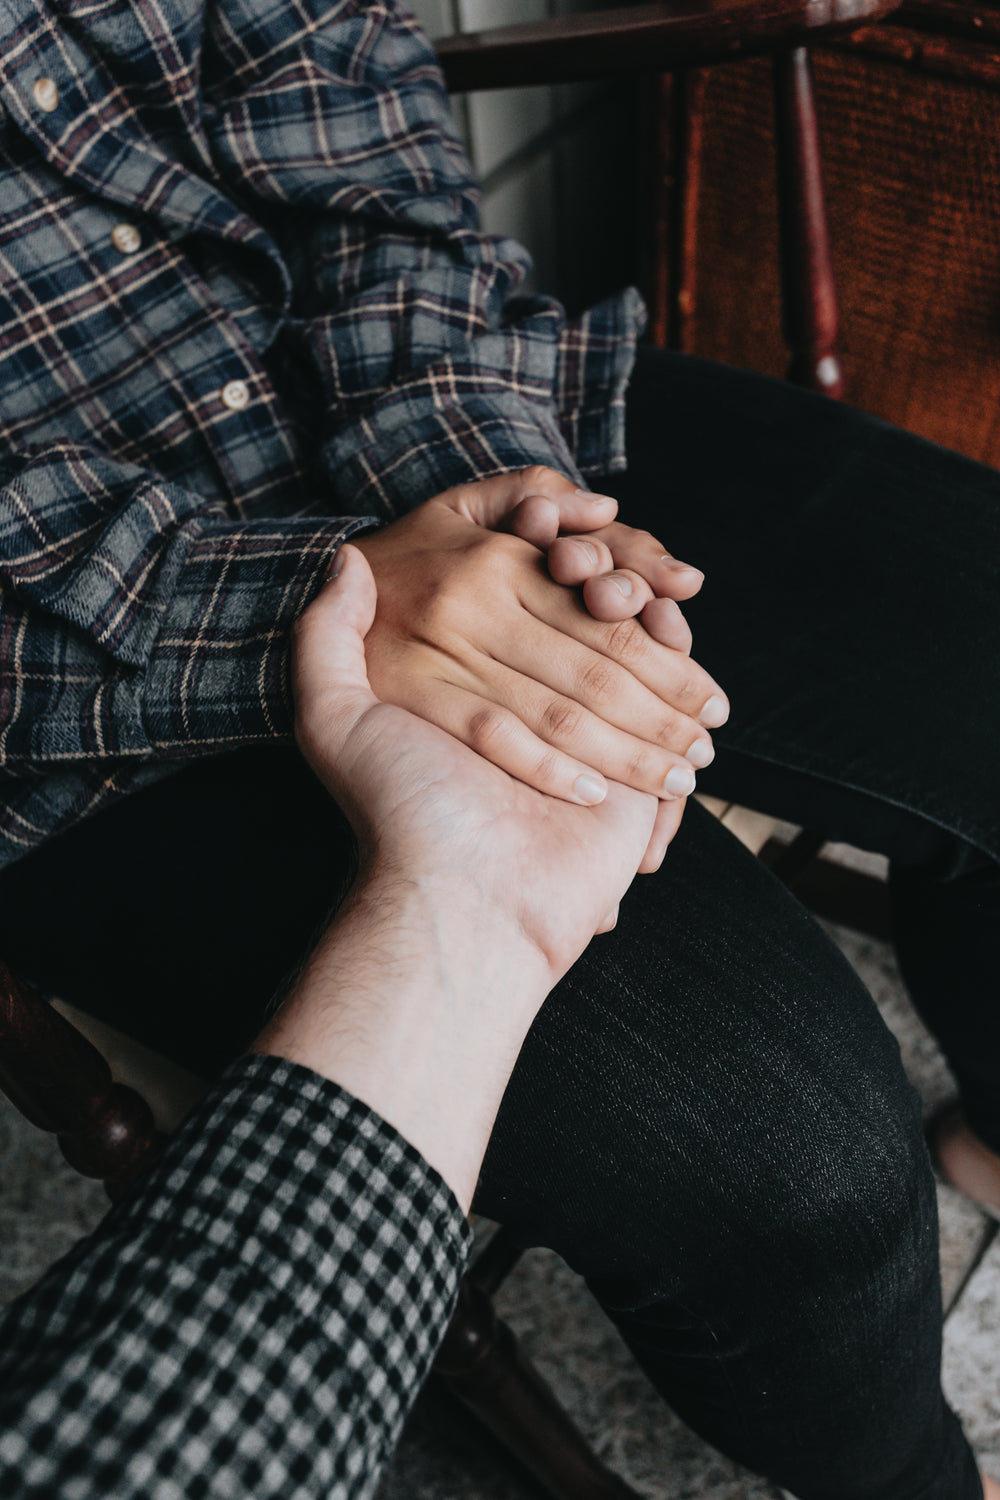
(475, 894)
(565, 688)
(483, 851)
(468, 632)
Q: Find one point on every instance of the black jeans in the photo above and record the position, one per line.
(709, 1120)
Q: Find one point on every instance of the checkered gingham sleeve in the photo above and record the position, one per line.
(254, 1319)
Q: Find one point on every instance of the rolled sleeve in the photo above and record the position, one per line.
(141, 621)
(255, 1318)
(217, 674)
(537, 390)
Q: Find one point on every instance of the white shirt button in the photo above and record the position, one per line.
(45, 94)
(235, 394)
(126, 238)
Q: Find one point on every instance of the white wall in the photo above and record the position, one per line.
(548, 159)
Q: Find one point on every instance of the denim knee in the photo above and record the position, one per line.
(780, 1286)
(770, 1197)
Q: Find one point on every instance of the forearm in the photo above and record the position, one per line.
(416, 1000)
(288, 1256)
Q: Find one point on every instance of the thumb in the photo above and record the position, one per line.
(330, 679)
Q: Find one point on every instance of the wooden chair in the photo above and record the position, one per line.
(111, 1102)
(665, 42)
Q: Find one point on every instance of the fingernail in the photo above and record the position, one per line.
(337, 564)
(590, 790)
(599, 499)
(659, 861)
(701, 754)
(680, 781)
(589, 548)
(681, 567)
(623, 585)
(715, 712)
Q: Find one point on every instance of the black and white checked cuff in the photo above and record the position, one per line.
(255, 1318)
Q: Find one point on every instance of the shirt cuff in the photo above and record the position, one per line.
(596, 358)
(536, 391)
(255, 1317)
(217, 673)
(292, 1182)
(275, 1148)
(412, 446)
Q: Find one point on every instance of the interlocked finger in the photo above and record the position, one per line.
(666, 624)
(617, 546)
(567, 726)
(665, 826)
(603, 679)
(640, 552)
(619, 595)
(506, 741)
(670, 675)
(574, 559)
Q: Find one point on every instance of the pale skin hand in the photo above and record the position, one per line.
(475, 636)
(476, 894)
(623, 573)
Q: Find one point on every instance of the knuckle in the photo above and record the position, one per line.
(627, 641)
(688, 688)
(445, 598)
(641, 768)
(671, 729)
(537, 474)
(560, 719)
(488, 728)
(437, 610)
(548, 767)
(599, 680)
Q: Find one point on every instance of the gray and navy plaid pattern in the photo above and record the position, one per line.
(253, 1320)
(300, 237)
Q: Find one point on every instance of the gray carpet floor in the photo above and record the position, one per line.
(44, 1207)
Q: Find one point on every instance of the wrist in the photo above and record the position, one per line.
(417, 1002)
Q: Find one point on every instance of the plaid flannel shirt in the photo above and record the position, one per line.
(255, 1318)
(244, 310)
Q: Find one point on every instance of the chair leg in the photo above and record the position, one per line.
(61, 1083)
(682, 259)
(809, 297)
(482, 1364)
(659, 100)
(675, 110)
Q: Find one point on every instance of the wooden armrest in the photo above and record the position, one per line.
(659, 36)
(171, 1092)
(753, 829)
